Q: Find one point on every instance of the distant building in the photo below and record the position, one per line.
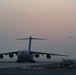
(67, 62)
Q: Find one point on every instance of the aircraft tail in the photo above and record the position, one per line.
(30, 40)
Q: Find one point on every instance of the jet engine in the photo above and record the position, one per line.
(11, 55)
(48, 56)
(1, 56)
(37, 55)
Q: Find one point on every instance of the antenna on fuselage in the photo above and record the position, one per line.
(30, 40)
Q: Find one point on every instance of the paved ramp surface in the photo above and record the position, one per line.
(12, 69)
(7, 65)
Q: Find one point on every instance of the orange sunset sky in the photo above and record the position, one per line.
(54, 20)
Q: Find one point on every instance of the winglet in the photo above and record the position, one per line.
(69, 54)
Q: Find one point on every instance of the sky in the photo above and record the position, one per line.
(54, 20)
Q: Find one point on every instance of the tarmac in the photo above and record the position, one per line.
(34, 69)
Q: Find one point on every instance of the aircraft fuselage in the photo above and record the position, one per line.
(25, 55)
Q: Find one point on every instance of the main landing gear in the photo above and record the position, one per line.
(31, 61)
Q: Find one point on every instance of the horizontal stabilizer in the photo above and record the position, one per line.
(23, 39)
(38, 39)
(30, 38)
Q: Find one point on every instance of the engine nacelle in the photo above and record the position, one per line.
(1, 56)
(48, 56)
(11, 55)
(37, 55)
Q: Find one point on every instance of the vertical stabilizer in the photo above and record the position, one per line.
(30, 41)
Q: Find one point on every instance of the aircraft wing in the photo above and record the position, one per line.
(16, 52)
(43, 53)
(33, 52)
